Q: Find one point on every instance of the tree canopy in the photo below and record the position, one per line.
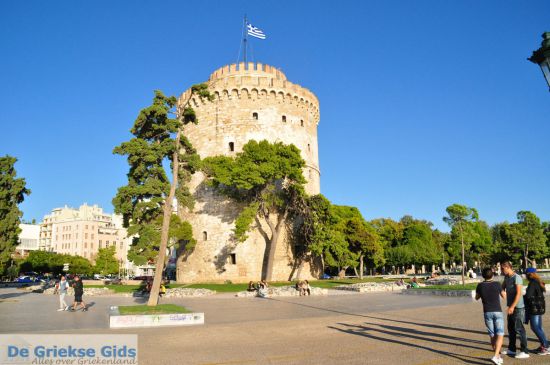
(265, 177)
(12, 193)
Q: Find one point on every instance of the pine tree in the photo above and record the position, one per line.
(12, 193)
(146, 201)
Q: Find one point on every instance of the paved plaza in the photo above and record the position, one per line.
(354, 328)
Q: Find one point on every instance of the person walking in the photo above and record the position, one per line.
(512, 285)
(535, 307)
(61, 288)
(78, 292)
(490, 292)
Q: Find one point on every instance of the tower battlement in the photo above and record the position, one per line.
(257, 81)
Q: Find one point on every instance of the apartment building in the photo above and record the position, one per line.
(83, 232)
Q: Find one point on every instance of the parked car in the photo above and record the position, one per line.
(143, 277)
(27, 280)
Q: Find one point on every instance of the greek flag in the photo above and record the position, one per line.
(255, 32)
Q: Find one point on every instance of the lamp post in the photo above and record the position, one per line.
(542, 57)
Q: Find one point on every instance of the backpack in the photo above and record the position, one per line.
(535, 304)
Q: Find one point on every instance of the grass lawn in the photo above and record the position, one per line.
(159, 309)
(127, 288)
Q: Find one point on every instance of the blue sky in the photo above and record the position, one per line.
(423, 103)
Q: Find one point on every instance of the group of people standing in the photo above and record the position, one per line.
(61, 288)
(521, 309)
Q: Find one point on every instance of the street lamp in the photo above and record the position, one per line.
(542, 57)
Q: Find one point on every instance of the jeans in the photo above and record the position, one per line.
(515, 328)
(536, 326)
(494, 321)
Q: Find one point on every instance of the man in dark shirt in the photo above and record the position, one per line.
(490, 293)
(78, 292)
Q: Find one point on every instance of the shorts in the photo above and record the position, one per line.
(494, 321)
(78, 298)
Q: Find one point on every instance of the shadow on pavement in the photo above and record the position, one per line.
(319, 308)
(13, 295)
(417, 335)
(429, 325)
(438, 326)
(363, 331)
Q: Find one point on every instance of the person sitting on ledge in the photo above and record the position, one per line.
(307, 288)
(251, 287)
(262, 289)
(414, 283)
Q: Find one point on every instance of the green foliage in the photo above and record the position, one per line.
(146, 242)
(106, 262)
(12, 193)
(264, 176)
(44, 262)
(417, 236)
(244, 221)
(527, 237)
(339, 234)
(141, 201)
(267, 179)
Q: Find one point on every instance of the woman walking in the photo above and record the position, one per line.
(535, 307)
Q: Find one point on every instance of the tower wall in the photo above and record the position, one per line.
(254, 102)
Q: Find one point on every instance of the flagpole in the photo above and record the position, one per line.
(245, 39)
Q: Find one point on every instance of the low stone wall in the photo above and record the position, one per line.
(372, 287)
(451, 280)
(445, 293)
(282, 291)
(188, 292)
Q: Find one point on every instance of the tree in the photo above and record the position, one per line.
(44, 261)
(458, 215)
(523, 240)
(12, 193)
(530, 234)
(106, 262)
(147, 199)
(265, 177)
(362, 238)
(314, 231)
(417, 237)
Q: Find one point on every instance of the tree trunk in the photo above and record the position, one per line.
(462, 241)
(355, 271)
(272, 249)
(322, 265)
(361, 267)
(342, 272)
(154, 294)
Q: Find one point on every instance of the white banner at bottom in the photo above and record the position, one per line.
(68, 349)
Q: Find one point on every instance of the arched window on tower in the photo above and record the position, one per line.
(231, 146)
(204, 236)
(301, 122)
(308, 147)
(284, 118)
(255, 116)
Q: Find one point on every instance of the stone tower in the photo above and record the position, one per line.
(252, 101)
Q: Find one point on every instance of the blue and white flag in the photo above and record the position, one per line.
(255, 32)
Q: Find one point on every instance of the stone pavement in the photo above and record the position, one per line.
(337, 329)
